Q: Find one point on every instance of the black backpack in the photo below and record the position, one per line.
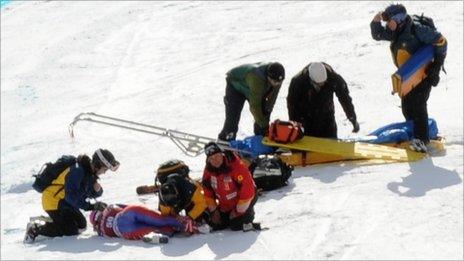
(270, 173)
(50, 171)
(424, 20)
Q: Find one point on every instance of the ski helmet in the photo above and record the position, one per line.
(317, 72)
(169, 167)
(104, 158)
(276, 71)
(169, 194)
(212, 148)
(396, 12)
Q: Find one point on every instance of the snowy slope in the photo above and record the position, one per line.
(163, 63)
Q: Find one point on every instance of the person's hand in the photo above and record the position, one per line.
(378, 17)
(433, 71)
(233, 214)
(258, 130)
(99, 206)
(216, 217)
(97, 187)
(189, 225)
(434, 79)
(355, 124)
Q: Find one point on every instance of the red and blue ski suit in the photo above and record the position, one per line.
(133, 222)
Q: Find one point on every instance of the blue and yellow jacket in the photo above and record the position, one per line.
(408, 39)
(74, 186)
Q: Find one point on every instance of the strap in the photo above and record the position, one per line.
(291, 134)
(303, 159)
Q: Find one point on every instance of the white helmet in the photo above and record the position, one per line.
(317, 72)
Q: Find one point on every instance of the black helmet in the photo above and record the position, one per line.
(104, 158)
(392, 10)
(169, 167)
(212, 148)
(276, 71)
(169, 195)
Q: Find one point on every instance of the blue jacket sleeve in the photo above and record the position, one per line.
(74, 193)
(97, 194)
(378, 32)
(93, 193)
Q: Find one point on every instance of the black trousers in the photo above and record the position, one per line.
(236, 223)
(234, 101)
(323, 127)
(67, 221)
(414, 107)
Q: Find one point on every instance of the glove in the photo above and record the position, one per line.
(434, 79)
(258, 130)
(216, 217)
(355, 125)
(189, 225)
(433, 72)
(204, 229)
(99, 206)
(234, 214)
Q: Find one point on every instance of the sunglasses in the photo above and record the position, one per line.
(398, 18)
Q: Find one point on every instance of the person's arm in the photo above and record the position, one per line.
(293, 97)
(210, 197)
(257, 87)
(199, 203)
(97, 190)
(247, 189)
(379, 32)
(73, 190)
(166, 210)
(343, 95)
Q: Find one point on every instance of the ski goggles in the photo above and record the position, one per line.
(398, 18)
(113, 165)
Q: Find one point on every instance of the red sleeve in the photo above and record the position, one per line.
(208, 191)
(242, 176)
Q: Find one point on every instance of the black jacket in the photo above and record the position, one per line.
(408, 38)
(305, 104)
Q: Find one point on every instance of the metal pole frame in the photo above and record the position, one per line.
(190, 144)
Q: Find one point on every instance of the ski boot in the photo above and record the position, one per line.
(155, 238)
(31, 232)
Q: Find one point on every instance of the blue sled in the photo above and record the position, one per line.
(398, 132)
(252, 145)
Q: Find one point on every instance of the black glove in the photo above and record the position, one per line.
(99, 206)
(433, 72)
(434, 79)
(258, 130)
(355, 125)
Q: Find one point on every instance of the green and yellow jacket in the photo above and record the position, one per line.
(251, 81)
